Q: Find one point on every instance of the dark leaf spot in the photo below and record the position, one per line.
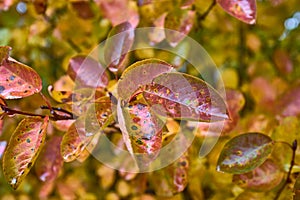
(29, 165)
(28, 140)
(2, 88)
(12, 77)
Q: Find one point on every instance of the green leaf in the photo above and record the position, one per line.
(74, 141)
(23, 149)
(182, 96)
(139, 74)
(244, 153)
(50, 161)
(18, 80)
(178, 24)
(263, 178)
(141, 130)
(98, 116)
(117, 45)
(244, 10)
(87, 72)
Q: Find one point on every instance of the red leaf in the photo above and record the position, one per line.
(83, 9)
(288, 103)
(40, 6)
(181, 21)
(23, 149)
(244, 10)
(98, 116)
(74, 141)
(172, 179)
(118, 44)
(50, 161)
(182, 96)
(263, 178)
(142, 132)
(283, 61)
(5, 5)
(139, 74)
(87, 72)
(18, 80)
(118, 11)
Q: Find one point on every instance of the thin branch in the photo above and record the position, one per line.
(288, 179)
(204, 15)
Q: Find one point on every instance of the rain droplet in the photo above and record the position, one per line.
(291, 23)
(21, 7)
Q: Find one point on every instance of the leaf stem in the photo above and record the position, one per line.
(287, 181)
(204, 15)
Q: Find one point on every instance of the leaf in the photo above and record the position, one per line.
(50, 161)
(244, 10)
(70, 96)
(244, 153)
(288, 103)
(141, 130)
(87, 72)
(98, 116)
(23, 149)
(119, 11)
(83, 9)
(118, 45)
(1, 125)
(74, 141)
(40, 6)
(4, 53)
(283, 61)
(178, 24)
(2, 147)
(263, 178)
(89, 148)
(172, 179)
(182, 96)
(139, 74)
(18, 80)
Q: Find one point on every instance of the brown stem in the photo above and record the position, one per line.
(288, 179)
(211, 6)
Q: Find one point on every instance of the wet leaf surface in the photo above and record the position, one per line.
(244, 153)
(99, 115)
(182, 96)
(139, 74)
(118, 45)
(74, 141)
(23, 149)
(18, 80)
(263, 178)
(244, 10)
(141, 130)
(87, 72)
(50, 161)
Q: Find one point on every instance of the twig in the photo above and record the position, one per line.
(204, 15)
(288, 180)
